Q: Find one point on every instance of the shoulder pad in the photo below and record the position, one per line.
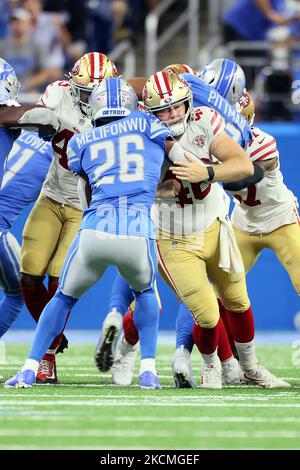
(54, 93)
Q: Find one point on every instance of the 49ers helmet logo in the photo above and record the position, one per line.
(76, 68)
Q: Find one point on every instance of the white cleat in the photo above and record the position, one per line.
(232, 373)
(104, 354)
(182, 369)
(211, 376)
(263, 378)
(124, 362)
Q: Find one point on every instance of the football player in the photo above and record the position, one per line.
(26, 168)
(236, 126)
(199, 238)
(265, 213)
(121, 163)
(56, 216)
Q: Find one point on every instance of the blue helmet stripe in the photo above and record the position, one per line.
(226, 77)
(230, 80)
(107, 86)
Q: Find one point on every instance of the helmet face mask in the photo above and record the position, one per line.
(87, 73)
(8, 79)
(166, 91)
(227, 77)
(113, 98)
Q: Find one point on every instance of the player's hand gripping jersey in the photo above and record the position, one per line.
(269, 204)
(123, 173)
(198, 204)
(61, 184)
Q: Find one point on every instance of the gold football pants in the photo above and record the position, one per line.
(284, 241)
(47, 236)
(190, 263)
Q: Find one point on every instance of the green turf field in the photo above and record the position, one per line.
(85, 411)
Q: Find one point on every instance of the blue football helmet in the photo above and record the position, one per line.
(227, 77)
(114, 97)
(8, 80)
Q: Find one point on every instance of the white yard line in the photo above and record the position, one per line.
(137, 403)
(106, 433)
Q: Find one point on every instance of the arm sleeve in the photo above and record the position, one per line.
(241, 184)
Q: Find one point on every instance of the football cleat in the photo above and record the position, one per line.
(124, 362)
(149, 380)
(104, 354)
(64, 343)
(23, 379)
(182, 369)
(232, 373)
(263, 378)
(211, 376)
(46, 373)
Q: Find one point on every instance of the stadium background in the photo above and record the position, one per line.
(196, 36)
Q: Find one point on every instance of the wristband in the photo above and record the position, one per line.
(211, 173)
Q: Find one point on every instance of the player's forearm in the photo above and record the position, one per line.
(10, 115)
(233, 169)
(137, 84)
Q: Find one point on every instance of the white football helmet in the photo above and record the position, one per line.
(87, 73)
(8, 79)
(114, 97)
(164, 90)
(227, 77)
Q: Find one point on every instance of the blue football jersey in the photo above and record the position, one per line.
(7, 136)
(122, 161)
(204, 95)
(26, 168)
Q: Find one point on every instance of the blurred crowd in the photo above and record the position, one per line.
(42, 39)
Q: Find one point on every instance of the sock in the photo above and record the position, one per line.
(184, 328)
(130, 332)
(52, 287)
(224, 349)
(35, 299)
(147, 364)
(206, 339)
(247, 355)
(241, 325)
(210, 359)
(10, 307)
(223, 315)
(121, 295)
(31, 364)
(146, 319)
(51, 323)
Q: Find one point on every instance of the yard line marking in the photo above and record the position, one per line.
(71, 416)
(116, 403)
(106, 433)
(165, 398)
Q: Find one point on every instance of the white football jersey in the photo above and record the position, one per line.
(60, 184)
(198, 204)
(269, 204)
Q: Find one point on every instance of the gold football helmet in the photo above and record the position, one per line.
(246, 107)
(181, 68)
(164, 90)
(87, 73)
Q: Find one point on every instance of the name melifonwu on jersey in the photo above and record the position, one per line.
(269, 204)
(26, 168)
(61, 184)
(123, 163)
(198, 204)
